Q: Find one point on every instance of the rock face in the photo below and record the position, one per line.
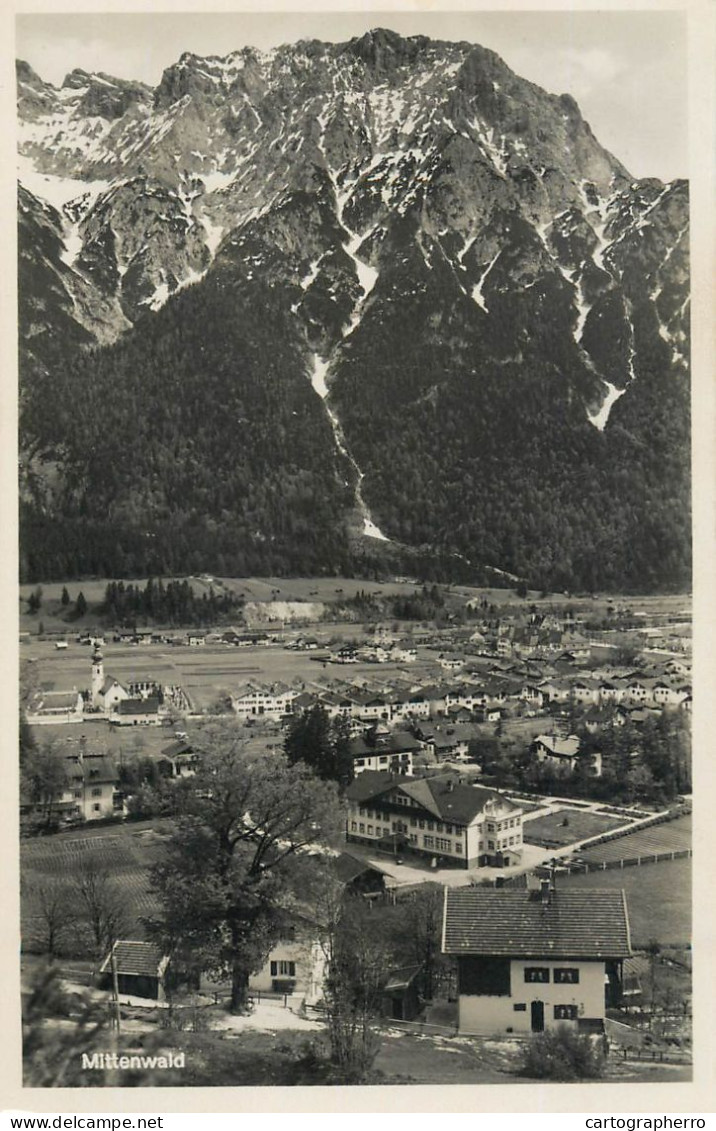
(387, 298)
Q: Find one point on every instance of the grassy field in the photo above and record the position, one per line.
(673, 836)
(127, 851)
(567, 826)
(332, 588)
(205, 671)
(658, 898)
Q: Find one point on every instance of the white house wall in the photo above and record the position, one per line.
(486, 1015)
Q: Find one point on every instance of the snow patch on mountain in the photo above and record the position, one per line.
(477, 289)
(317, 377)
(599, 419)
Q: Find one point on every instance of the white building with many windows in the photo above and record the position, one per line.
(466, 826)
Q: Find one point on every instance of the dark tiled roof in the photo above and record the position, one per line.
(179, 746)
(138, 707)
(458, 804)
(92, 769)
(134, 958)
(590, 923)
(348, 867)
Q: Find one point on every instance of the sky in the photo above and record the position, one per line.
(626, 69)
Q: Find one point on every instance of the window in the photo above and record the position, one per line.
(78, 793)
(536, 973)
(96, 792)
(288, 969)
(428, 841)
(413, 838)
(421, 824)
(458, 846)
(361, 828)
(448, 830)
(413, 822)
(431, 825)
(491, 845)
(566, 974)
(520, 1007)
(370, 830)
(96, 808)
(442, 844)
(438, 827)
(565, 1012)
(353, 826)
(491, 828)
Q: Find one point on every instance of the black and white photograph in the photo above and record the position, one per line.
(354, 432)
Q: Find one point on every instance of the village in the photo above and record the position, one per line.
(513, 778)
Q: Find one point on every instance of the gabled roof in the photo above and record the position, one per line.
(138, 707)
(401, 978)
(561, 747)
(134, 958)
(348, 868)
(439, 795)
(178, 746)
(92, 768)
(109, 683)
(589, 923)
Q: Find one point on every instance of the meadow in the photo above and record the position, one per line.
(567, 826)
(658, 899)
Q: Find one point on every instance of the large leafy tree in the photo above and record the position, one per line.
(44, 778)
(321, 743)
(230, 870)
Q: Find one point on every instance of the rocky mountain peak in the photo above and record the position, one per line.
(434, 239)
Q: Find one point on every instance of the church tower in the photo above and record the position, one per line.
(97, 677)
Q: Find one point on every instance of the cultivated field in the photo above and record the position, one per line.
(567, 826)
(127, 852)
(673, 836)
(205, 671)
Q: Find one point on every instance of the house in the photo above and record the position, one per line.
(90, 790)
(532, 695)
(376, 751)
(295, 965)
(533, 960)
(585, 690)
(136, 712)
(563, 752)
(140, 969)
(439, 818)
(401, 994)
(179, 759)
(56, 707)
(254, 702)
(360, 877)
(411, 705)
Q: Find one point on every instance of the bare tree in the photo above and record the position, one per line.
(357, 962)
(101, 904)
(54, 912)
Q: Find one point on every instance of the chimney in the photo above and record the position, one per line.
(545, 891)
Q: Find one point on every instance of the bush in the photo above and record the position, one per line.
(561, 1054)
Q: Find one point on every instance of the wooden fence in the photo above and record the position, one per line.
(627, 861)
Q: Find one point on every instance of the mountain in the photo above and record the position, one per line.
(347, 306)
